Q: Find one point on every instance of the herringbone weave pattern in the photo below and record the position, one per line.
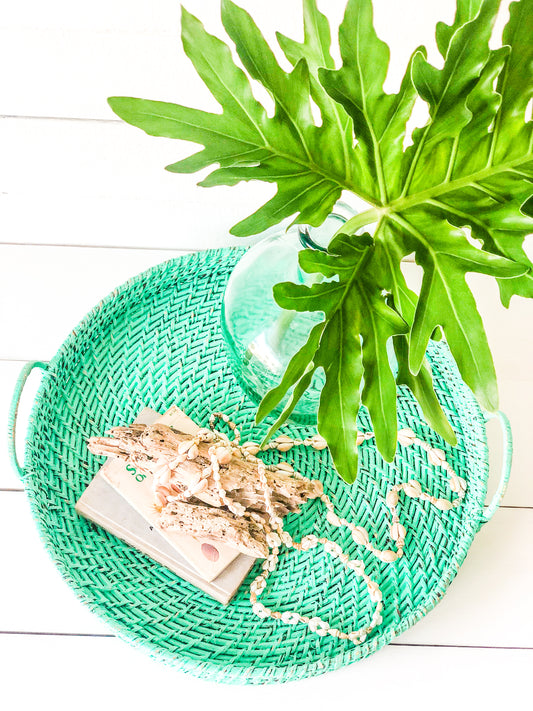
(156, 341)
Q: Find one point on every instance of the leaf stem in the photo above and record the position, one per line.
(355, 223)
(403, 203)
(451, 161)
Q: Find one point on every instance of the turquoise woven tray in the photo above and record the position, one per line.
(155, 342)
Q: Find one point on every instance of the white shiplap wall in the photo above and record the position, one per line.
(84, 205)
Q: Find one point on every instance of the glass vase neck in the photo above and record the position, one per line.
(319, 238)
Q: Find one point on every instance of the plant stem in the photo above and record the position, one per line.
(355, 223)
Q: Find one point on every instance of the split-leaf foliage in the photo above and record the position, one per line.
(458, 197)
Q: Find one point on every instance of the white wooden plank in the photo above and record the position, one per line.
(487, 600)
(66, 63)
(485, 605)
(71, 73)
(193, 219)
(137, 15)
(121, 677)
(54, 288)
(55, 608)
(80, 158)
(508, 330)
(105, 184)
(102, 15)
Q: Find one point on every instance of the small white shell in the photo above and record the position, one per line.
(436, 457)
(397, 531)
(332, 548)
(165, 476)
(332, 517)
(193, 452)
(443, 504)
(270, 564)
(199, 487)
(284, 446)
(184, 446)
(258, 585)
(285, 467)
(205, 435)
(387, 556)
(251, 448)
(260, 610)
(290, 618)
(357, 565)
(374, 591)
(223, 455)
(412, 488)
(457, 484)
(406, 436)
(360, 535)
(286, 539)
(318, 442)
(308, 542)
(392, 498)
(319, 626)
(273, 540)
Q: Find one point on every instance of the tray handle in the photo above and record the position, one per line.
(507, 459)
(13, 411)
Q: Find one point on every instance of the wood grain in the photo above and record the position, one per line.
(471, 678)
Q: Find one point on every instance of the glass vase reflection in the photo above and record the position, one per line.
(260, 336)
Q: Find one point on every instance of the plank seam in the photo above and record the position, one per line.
(177, 250)
(392, 644)
(24, 117)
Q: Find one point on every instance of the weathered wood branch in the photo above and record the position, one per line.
(215, 525)
(147, 446)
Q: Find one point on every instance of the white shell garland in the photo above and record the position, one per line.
(221, 453)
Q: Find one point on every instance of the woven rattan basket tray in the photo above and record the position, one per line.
(155, 342)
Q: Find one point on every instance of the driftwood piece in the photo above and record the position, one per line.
(146, 446)
(216, 525)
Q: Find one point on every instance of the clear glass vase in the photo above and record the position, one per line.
(260, 336)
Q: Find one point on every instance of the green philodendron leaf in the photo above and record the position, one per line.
(446, 91)
(315, 49)
(300, 387)
(294, 372)
(446, 300)
(421, 385)
(356, 318)
(340, 356)
(459, 197)
(379, 119)
(309, 167)
(466, 11)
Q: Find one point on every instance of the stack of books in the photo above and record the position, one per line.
(120, 499)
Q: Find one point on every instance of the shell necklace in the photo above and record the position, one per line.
(221, 451)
